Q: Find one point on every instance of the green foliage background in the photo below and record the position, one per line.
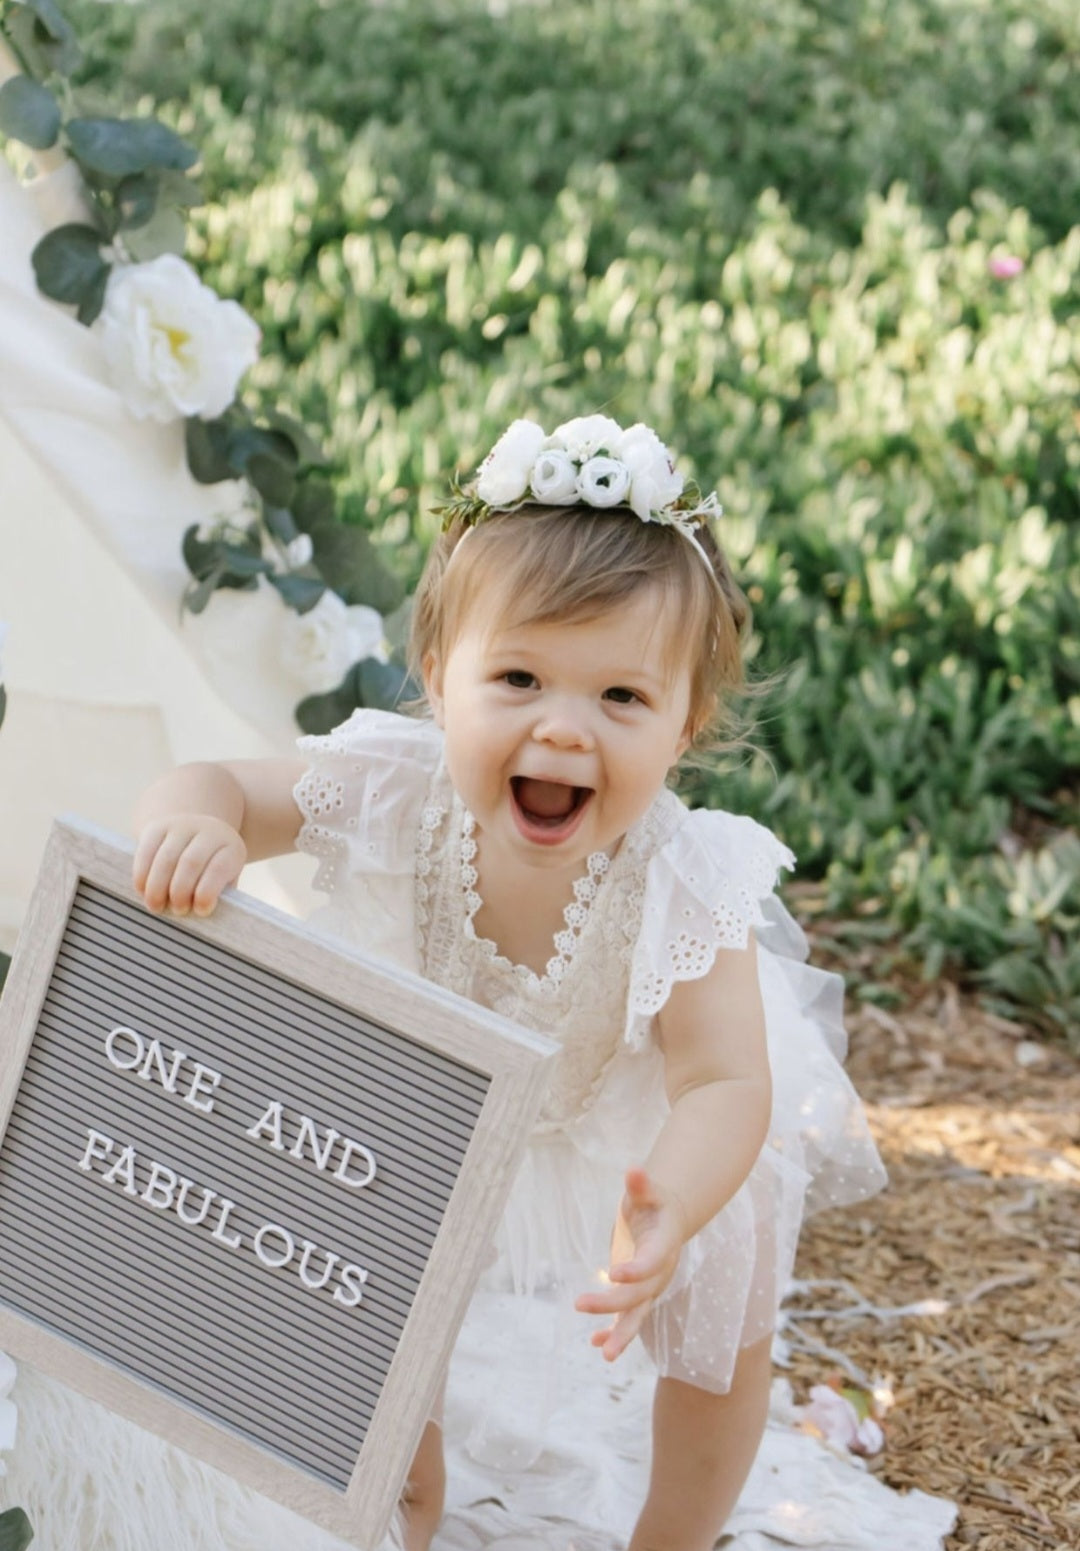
(766, 230)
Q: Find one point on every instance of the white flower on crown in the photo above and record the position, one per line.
(554, 478)
(318, 648)
(654, 482)
(584, 437)
(590, 461)
(173, 347)
(504, 474)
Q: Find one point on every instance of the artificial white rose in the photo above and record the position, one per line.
(173, 347)
(584, 437)
(503, 477)
(300, 550)
(318, 648)
(654, 482)
(555, 478)
(603, 482)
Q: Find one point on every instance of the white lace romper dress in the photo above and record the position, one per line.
(396, 853)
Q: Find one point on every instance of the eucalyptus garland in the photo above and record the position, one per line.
(137, 178)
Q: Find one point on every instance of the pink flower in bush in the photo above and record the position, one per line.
(1005, 266)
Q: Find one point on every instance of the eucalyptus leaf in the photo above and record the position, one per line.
(3, 703)
(68, 264)
(29, 113)
(5, 965)
(201, 556)
(308, 452)
(344, 553)
(384, 685)
(118, 148)
(273, 480)
(301, 593)
(16, 1531)
(93, 299)
(137, 198)
(164, 232)
(248, 442)
(178, 189)
(242, 562)
(281, 523)
(199, 594)
(207, 445)
(45, 40)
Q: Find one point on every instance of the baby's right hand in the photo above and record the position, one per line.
(182, 863)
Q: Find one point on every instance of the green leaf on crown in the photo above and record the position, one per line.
(44, 38)
(344, 553)
(68, 265)
(115, 148)
(3, 703)
(381, 686)
(16, 1531)
(29, 113)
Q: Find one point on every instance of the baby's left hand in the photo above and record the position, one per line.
(648, 1239)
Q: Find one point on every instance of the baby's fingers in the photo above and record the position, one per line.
(617, 1337)
(617, 1299)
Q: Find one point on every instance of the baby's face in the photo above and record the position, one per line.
(559, 736)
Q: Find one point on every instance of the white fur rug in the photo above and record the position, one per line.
(92, 1482)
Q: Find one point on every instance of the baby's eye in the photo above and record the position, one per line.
(621, 695)
(519, 678)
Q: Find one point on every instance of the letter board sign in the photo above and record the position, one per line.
(247, 1179)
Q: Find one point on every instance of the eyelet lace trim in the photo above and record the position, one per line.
(575, 915)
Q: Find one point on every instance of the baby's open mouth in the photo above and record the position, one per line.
(549, 804)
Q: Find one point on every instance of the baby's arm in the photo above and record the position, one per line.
(716, 1070)
(198, 825)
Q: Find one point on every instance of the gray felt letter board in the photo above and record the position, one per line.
(247, 1179)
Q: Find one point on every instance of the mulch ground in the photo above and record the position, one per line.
(979, 1126)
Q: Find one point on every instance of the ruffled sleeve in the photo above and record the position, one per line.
(704, 889)
(362, 798)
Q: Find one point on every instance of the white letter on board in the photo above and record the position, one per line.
(223, 1233)
(309, 1130)
(161, 1188)
(205, 1078)
(110, 1049)
(155, 1057)
(270, 1124)
(332, 1259)
(123, 1169)
(363, 1152)
(97, 1146)
(208, 1196)
(351, 1291)
(272, 1227)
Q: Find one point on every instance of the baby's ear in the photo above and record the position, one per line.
(431, 668)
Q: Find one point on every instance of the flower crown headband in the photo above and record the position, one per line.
(590, 461)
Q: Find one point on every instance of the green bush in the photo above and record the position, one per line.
(766, 230)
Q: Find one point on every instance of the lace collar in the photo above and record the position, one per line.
(576, 914)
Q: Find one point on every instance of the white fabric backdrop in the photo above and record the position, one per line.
(107, 686)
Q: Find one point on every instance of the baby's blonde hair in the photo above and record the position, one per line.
(556, 564)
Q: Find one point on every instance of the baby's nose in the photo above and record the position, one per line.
(565, 725)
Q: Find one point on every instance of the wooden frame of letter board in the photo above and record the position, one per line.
(514, 1061)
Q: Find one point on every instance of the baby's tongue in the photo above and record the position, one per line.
(544, 799)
